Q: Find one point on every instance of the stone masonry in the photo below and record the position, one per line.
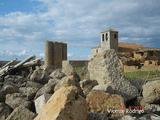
(55, 53)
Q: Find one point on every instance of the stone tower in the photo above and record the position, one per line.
(109, 39)
(55, 53)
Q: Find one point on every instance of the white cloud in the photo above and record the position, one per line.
(79, 22)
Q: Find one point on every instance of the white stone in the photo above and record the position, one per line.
(67, 68)
(151, 92)
(41, 101)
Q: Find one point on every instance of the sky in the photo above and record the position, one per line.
(25, 25)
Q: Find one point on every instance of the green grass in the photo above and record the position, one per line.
(145, 75)
(142, 75)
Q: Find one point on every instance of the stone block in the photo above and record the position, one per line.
(41, 101)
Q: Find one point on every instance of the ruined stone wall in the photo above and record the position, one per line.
(114, 40)
(64, 51)
(55, 53)
(49, 54)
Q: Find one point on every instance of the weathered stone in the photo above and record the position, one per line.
(5, 110)
(41, 101)
(105, 88)
(21, 113)
(40, 76)
(101, 102)
(18, 81)
(29, 92)
(87, 85)
(14, 100)
(1, 84)
(9, 89)
(54, 81)
(149, 116)
(47, 88)
(113, 89)
(67, 68)
(55, 53)
(128, 117)
(137, 83)
(29, 105)
(69, 81)
(33, 84)
(57, 74)
(149, 108)
(65, 104)
(1, 79)
(49, 55)
(98, 116)
(106, 69)
(151, 92)
(2, 97)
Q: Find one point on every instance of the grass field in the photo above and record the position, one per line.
(145, 75)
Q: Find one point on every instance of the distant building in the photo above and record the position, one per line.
(150, 56)
(131, 54)
(55, 53)
(109, 40)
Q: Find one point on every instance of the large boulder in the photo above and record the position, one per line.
(21, 113)
(106, 68)
(151, 92)
(29, 92)
(16, 99)
(113, 89)
(47, 88)
(101, 102)
(40, 75)
(65, 104)
(67, 68)
(5, 111)
(71, 80)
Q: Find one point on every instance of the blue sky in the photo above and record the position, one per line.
(26, 24)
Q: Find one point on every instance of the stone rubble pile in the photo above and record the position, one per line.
(60, 94)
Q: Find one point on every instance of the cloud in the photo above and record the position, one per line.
(79, 22)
